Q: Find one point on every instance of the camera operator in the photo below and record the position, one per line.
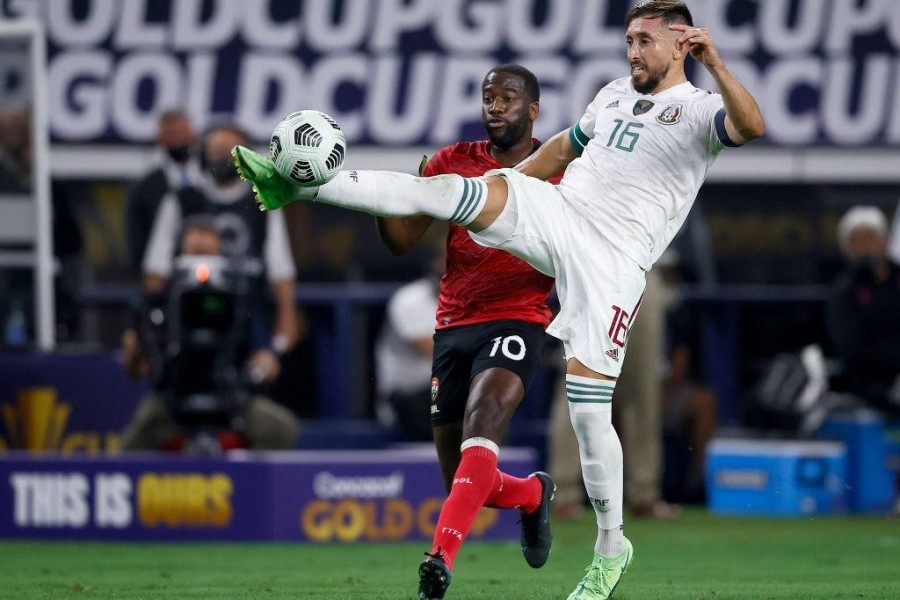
(207, 369)
(258, 239)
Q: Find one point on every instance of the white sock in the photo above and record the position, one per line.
(590, 409)
(445, 197)
(609, 542)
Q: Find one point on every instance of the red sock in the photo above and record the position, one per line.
(514, 492)
(472, 483)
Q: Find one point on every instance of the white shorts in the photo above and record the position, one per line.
(599, 288)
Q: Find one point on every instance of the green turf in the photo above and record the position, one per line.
(697, 557)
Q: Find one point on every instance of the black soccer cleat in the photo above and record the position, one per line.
(536, 535)
(434, 577)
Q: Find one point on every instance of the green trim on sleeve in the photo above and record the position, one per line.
(578, 138)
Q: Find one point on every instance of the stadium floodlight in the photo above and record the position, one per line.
(26, 241)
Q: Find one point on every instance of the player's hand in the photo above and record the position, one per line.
(263, 366)
(698, 44)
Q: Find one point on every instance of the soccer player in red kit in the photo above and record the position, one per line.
(491, 317)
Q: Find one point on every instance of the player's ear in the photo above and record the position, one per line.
(679, 48)
(534, 110)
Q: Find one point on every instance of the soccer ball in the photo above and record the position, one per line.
(308, 147)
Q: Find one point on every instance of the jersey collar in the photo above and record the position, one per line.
(675, 90)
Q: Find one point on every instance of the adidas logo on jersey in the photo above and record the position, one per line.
(613, 104)
(613, 354)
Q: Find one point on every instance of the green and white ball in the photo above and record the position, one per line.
(308, 147)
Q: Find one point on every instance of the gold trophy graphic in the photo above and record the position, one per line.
(36, 421)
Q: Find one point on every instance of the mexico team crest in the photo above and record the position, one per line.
(670, 114)
(641, 106)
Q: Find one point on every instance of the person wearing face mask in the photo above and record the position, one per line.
(177, 167)
(259, 241)
(863, 311)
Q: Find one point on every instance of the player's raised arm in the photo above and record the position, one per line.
(401, 234)
(551, 158)
(743, 119)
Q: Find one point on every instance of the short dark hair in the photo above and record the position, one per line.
(200, 222)
(532, 87)
(670, 11)
(173, 113)
(215, 128)
(225, 126)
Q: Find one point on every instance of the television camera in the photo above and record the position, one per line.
(195, 335)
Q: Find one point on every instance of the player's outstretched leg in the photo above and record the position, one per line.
(434, 577)
(383, 193)
(603, 575)
(536, 535)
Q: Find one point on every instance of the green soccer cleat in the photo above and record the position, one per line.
(272, 190)
(603, 575)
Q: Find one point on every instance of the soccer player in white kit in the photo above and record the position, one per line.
(635, 162)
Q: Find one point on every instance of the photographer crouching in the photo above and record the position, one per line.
(205, 348)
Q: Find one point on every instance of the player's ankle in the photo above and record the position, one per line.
(537, 494)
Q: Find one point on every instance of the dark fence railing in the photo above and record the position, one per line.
(741, 326)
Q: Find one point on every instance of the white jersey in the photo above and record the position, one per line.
(410, 316)
(644, 158)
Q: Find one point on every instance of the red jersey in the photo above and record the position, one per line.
(484, 284)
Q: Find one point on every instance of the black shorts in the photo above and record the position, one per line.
(460, 353)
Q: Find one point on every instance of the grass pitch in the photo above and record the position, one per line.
(697, 557)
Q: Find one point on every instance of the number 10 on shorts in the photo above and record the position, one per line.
(503, 344)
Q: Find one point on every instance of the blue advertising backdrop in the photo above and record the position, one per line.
(66, 403)
(319, 496)
(404, 72)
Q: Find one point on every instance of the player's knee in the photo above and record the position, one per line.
(489, 412)
(597, 439)
(591, 421)
(443, 184)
